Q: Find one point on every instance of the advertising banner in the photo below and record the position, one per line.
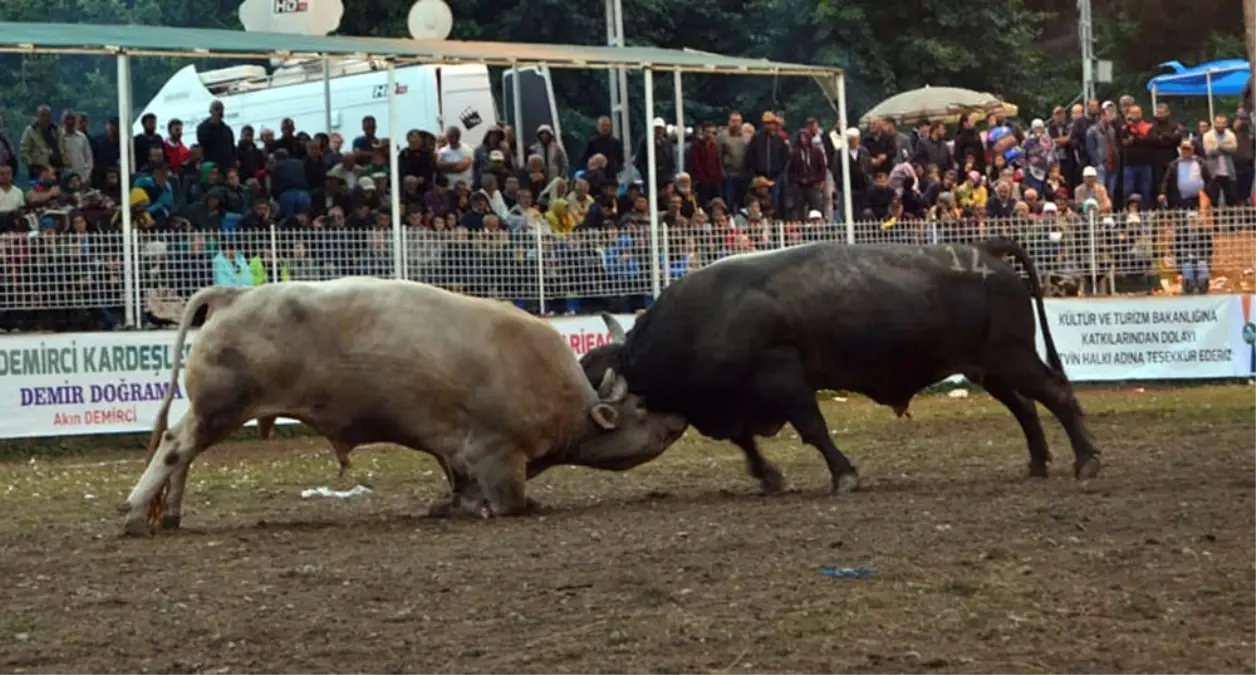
(1102, 339)
(102, 383)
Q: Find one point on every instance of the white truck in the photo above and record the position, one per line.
(429, 98)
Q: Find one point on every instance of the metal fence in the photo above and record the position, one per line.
(55, 280)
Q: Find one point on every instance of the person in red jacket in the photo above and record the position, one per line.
(177, 154)
(704, 165)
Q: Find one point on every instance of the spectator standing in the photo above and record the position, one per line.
(860, 170)
(493, 138)
(42, 144)
(551, 151)
(1139, 155)
(902, 143)
(216, 139)
(1059, 130)
(107, 148)
(366, 144)
(732, 148)
(968, 144)
(288, 140)
(880, 145)
(1192, 250)
(78, 146)
(12, 199)
(807, 171)
(704, 165)
(455, 160)
(1244, 158)
(7, 156)
(418, 158)
(767, 156)
(252, 160)
(1101, 149)
(146, 141)
(603, 142)
(1164, 137)
(931, 147)
(1220, 146)
(1186, 177)
(177, 154)
(664, 157)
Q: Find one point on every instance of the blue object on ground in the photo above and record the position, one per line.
(856, 572)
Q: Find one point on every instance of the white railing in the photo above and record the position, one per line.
(57, 280)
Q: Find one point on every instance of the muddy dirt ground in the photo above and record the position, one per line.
(679, 566)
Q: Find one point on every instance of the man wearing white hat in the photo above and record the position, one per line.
(664, 157)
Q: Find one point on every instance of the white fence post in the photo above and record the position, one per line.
(780, 232)
(1094, 255)
(274, 254)
(664, 266)
(540, 268)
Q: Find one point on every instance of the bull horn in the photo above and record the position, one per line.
(608, 383)
(619, 390)
(612, 325)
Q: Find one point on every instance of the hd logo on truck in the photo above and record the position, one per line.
(291, 6)
(381, 90)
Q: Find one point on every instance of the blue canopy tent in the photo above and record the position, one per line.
(1225, 77)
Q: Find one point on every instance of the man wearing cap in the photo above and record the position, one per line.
(767, 156)
(860, 169)
(1091, 188)
(1186, 177)
(732, 146)
(664, 157)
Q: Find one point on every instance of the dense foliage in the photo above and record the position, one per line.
(1025, 50)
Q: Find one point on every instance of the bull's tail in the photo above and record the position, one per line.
(1003, 246)
(214, 297)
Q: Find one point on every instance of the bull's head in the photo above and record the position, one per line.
(627, 433)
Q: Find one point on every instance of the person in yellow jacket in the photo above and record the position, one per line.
(560, 220)
(259, 269)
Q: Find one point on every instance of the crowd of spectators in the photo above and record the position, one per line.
(575, 226)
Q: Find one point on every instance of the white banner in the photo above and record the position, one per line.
(1106, 339)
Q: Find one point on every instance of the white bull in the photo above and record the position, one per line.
(481, 385)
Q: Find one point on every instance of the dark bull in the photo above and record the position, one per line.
(741, 347)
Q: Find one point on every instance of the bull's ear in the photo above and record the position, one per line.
(612, 325)
(605, 416)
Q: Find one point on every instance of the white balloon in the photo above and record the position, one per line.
(430, 20)
(298, 17)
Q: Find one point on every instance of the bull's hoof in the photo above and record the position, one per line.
(846, 483)
(1038, 470)
(137, 528)
(537, 508)
(441, 509)
(1085, 469)
(171, 521)
(771, 482)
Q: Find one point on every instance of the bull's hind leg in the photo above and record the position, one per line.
(179, 445)
(1034, 379)
(1027, 415)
